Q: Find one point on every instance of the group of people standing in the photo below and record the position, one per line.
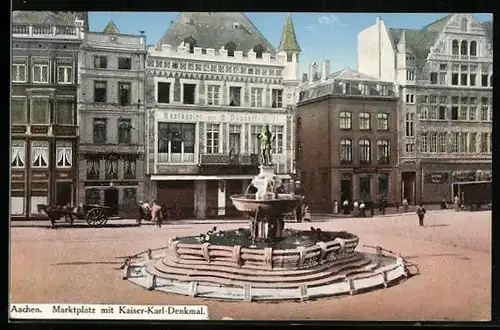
(359, 209)
(155, 212)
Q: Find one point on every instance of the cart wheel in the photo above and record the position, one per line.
(96, 217)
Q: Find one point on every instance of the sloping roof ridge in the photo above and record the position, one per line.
(258, 31)
(441, 20)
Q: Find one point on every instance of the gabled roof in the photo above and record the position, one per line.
(288, 38)
(348, 74)
(214, 30)
(50, 18)
(111, 28)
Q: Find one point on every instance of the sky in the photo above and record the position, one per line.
(322, 36)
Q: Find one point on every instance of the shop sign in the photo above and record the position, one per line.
(365, 170)
(437, 177)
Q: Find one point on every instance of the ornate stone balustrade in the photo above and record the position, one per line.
(41, 31)
(229, 159)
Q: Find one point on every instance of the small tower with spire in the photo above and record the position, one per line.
(291, 49)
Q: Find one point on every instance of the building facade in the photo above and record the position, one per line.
(208, 96)
(347, 133)
(111, 119)
(44, 135)
(445, 75)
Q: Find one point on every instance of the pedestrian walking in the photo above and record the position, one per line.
(155, 209)
(444, 205)
(356, 208)
(335, 207)
(405, 205)
(362, 209)
(384, 206)
(421, 215)
(298, 213)
(346, 207)
(141, 216)
(307, 214)
(456, 201)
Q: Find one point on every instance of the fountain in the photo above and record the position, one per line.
(265, 261)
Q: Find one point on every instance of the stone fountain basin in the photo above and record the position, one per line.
(275, 207)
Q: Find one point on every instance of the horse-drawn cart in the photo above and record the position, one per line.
(95, 215)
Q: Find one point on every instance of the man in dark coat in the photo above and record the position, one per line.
(142, 214)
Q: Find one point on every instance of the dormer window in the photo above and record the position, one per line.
(191, 43)
(289, 57)
(230, 47)
(259, 50)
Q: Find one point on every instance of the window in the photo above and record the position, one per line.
(454, 47)
(365, 89)
(176, 141)
(472, 79)
(410, 74)
(473, 143)
(256, 97)
(124, 63)
(40, 154)
(213, 94)
(383, 151)
(19, 70)
(434, 99)
(234, 139)
(409, 98)
(442, 141)
(277, 144)
(442, 112)
(100, 62)
(190, 43)
(424, 143)
(39, 111)
(231, 48)
(443, 67)
(472, 113)
(345, 120)
(473, 48)
(93, 168)
(484, 142)
(410, 117)
(365, 187)
(99, 130)
(463, 25)
(277, 95)
(463, 113)
(130, 196)
(234, 96)
(433, 142)
(454, 113)
(213, 138)
(100, 91)
(111, 169)
(484, 111)
(124, 131)
(163, 92)
(346, 151)
(443, 100)
(92, 196)
(124, 93)
(64, 72)
(289, 57)
(442, 78)
(434, 78)
(463, 79)
(384, 90)
(364, 121)
(463, 48)
(454, 79)
(424, 112)
(463, 142)
(454, 142)
(255, 130)
(64, 154)
(484, 80)
(410, 145)
(433, 113)
(189, 92)
(383, 122)
(64, 111)
(259, 50)
(41, 71)
(17, 153)
(18, 110)
(129, 168)
(364, 151)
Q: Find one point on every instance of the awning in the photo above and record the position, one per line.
(159, 177)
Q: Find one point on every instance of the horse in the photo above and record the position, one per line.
(55, 212)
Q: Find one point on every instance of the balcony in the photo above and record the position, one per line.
(176, 158)
(40, 31)
(229, 159)
(90, 148)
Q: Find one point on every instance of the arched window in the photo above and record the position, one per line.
(454, 47)
(259, 50)
(473, 48)
(191, 43)
(230, 47)
(364, 151)
(464, 24)
(463, 48)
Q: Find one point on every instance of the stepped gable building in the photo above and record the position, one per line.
(445, 75)
(347, 137)
(213, 81)
(111, 116)
(44, 134)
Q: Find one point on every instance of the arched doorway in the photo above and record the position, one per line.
(111, 198)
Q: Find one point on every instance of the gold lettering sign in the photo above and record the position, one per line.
(232, 118)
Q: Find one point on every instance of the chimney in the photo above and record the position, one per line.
(304, 77)
(311, 73)
(314, 72)
(325, 70)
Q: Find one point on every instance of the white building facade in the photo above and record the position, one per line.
(206, 108)
(445, 76)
